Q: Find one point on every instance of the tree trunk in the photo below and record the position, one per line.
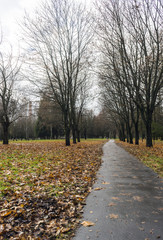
(67, 139)
(85, 133)
(5, 133)
(131, 136)
(127, 133)
(149, 133)
(120, 135)
(51, 132)
(123, 132)
(74, 134)
(78, 135)
(136, 133)
(67, 129)
(147, 118)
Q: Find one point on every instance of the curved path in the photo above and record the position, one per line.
(126, 202)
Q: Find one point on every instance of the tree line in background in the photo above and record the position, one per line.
(59, 66)
(45, 121)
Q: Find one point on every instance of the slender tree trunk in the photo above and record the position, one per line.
(148, 125)
(51, 132)
(149, 133)
(136, 133)
(67, 137)
(122, 132)
(78, 135)
(127, 133)
(130, 133)
(120, 135)
(130, 136)
(67, 129)
(74, 134)
(85, 133)
(5, 133)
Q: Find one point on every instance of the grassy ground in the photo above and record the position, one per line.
(43, 186)
(151, 157)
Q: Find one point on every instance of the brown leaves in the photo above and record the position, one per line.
(46, 185)
(2, 228)
(113, 216)
(87, 223)
(105, 183)
(112, 204)
(5, 213)
(98, 188)
(138, 198)
(151, 157)
(115, 198)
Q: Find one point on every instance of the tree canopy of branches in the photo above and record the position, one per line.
(59, 35)
(132, 46)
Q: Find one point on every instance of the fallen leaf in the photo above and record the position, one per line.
(112, 204)
(115, 198)
(141, 229)
(105, 183)
(160, 209)
(113, 216)
(2, 228)
(64, 230)
(157, 197)
(125, 194)
(98, 188)
(58, 232)
(87, 223)
(5, 213)
(154, 212)
(138, 198)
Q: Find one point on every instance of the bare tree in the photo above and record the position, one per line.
(132, 33)
(59, 35)
(10, 106)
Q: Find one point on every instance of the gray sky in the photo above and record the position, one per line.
(11, 12)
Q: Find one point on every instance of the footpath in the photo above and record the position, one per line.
(126, 202)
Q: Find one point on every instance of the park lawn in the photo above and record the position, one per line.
(151, 157)
(43, 186)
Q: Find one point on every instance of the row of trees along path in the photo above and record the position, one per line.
(59, 38)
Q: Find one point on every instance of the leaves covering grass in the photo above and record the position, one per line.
(43, 186)
(151, 157)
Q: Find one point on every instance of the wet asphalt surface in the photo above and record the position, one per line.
(129, 204)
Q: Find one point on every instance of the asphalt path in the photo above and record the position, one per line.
(126, 202)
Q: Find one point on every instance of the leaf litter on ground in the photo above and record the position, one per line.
(43, 187)
(151, 157)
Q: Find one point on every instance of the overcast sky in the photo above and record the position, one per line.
(11, 12)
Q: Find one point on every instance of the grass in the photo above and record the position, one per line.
(151, 157)
(39, 178)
